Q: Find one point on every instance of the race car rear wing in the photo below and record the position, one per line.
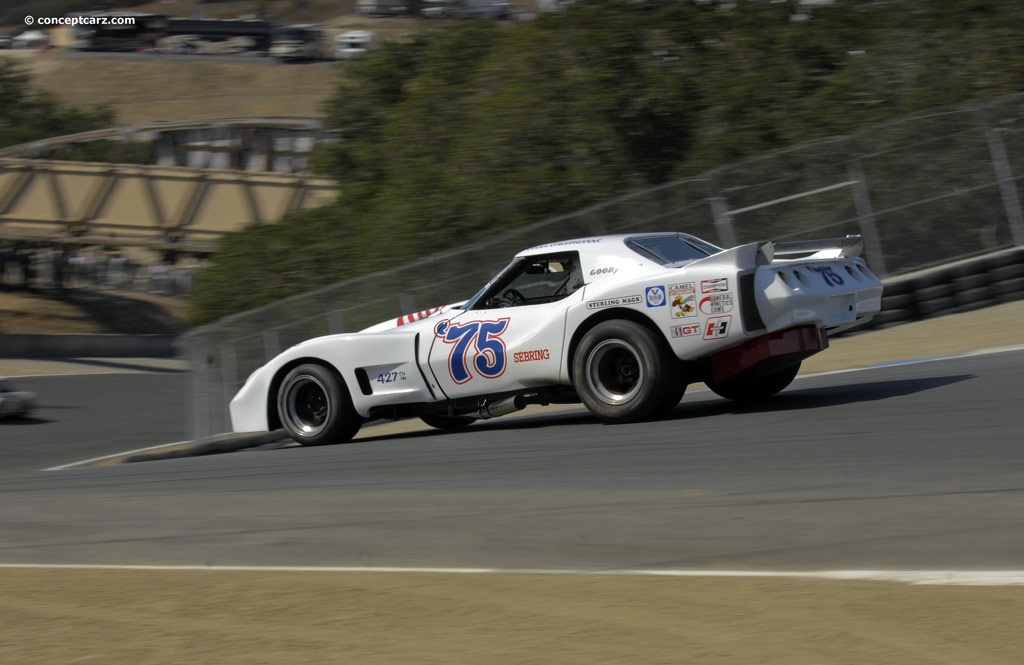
(801, 250)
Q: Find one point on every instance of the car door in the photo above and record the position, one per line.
(512, 336)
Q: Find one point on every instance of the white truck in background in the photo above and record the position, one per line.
(353, 43)
(492, 9)
(302, 41)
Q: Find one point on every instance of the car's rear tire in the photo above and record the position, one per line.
(623, 373)
(315, 407)
(443, 422)
(753, 388)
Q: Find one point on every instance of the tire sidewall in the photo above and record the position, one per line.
(342, 421)
(649, 398)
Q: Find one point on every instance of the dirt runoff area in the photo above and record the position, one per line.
(223, 617)
(226, 617)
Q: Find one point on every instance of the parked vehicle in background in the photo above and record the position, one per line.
(353, 44)
(493, 9)
(207, 36)
(142, 33)
(172, 35)
(14, 402)
(302, 41)
(387, 7)
(622, 323)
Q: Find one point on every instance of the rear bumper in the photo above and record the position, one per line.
(835, 294)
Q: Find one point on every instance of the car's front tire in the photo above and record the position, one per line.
(753, 388)
(623, 373)
(315, 408)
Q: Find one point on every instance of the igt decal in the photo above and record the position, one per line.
(479, 339)
(686, 331)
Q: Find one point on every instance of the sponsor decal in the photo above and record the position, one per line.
(684, 306)
(686, 330)
(830, 276)
(418, 316)
(683, 299)
(655, 296)
(531, 356)
(614, 302)
(717, 327)
(476, 345)
(564, 243)
(716, 303)
(604, 271)
(714, 285)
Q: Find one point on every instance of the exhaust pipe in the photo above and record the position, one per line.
(501, 407)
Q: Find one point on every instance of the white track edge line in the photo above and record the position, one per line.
(919, 361)
(917, 577)
(71, 465)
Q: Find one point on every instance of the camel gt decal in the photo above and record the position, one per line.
(482, 339)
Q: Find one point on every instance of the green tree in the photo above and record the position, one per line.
(451, 136)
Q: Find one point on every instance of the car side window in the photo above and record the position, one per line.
(540, 279)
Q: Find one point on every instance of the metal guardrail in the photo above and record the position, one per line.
(923, 192)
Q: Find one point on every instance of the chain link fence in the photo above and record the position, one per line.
(922, 191)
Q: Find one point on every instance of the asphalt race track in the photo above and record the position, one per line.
(909, 467)
(92, 415)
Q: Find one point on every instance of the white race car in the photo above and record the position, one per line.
(622, 323)
(14, 402)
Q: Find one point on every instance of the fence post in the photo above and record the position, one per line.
(723, 219)
(229, 376)
(197, 403)
(1004, 174)
(865, 212)
(271, 343)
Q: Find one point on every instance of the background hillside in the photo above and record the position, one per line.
(472, 128)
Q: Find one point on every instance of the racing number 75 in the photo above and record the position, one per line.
(484, 337)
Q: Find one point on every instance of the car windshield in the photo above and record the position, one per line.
(532, 280)
(671, 249)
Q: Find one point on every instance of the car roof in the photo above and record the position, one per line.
(605, 245)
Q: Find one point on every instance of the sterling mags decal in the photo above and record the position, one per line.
(615, 302)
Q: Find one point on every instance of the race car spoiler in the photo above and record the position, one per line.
(826, 248)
